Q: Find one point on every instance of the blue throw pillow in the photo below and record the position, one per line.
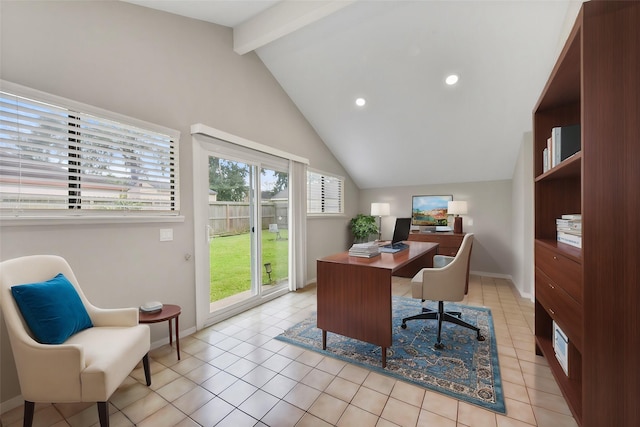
(52, 309)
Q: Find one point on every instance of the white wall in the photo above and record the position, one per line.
(489, 217)
(522, 190)
(164, 69)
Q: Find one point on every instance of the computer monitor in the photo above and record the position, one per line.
(402, 229)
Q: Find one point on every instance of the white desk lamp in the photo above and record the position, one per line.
(380, 210)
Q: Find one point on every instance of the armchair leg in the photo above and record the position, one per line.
(103, 413)
(147, 370)
(28, 413)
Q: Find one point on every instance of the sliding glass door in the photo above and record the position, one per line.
(244, 207)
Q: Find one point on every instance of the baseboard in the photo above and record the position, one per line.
(494, 275)
(165, 341)
(11, 404)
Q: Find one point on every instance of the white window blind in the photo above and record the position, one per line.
(61, 158)
(324, 193)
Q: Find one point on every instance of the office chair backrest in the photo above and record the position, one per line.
(450, 282)
(401, 231)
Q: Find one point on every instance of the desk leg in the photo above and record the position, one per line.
(324, 339)
(384, 357)
(177, 336)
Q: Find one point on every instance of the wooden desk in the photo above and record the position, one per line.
(354, 294)
(449, 242)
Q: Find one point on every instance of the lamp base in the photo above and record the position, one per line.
(457, 225)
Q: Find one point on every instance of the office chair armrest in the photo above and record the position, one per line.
(440, 261)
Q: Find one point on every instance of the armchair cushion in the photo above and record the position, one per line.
(52, 309)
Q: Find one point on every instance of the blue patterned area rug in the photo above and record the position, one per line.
(466, 369)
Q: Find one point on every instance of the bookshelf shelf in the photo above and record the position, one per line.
(569, 168)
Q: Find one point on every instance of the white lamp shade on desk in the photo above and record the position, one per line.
(380, 209)
(457, 207)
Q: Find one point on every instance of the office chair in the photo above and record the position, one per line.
(65, 348)
(446, 281)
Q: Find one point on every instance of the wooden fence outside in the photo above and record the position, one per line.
(228, 218)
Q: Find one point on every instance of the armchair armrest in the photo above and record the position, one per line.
(113, 316)
(49, 370)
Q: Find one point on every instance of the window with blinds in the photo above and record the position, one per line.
(324, 193)
(66, 158)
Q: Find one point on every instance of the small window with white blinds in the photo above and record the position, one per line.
(65, 158)
(324, 193)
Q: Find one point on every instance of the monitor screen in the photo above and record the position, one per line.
(430, 210)
(402, 229)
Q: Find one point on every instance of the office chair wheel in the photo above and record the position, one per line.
(403, 326)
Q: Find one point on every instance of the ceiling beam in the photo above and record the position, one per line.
(281, 19)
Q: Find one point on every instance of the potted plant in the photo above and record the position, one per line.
(362, 226)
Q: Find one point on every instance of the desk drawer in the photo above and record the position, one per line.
(561, 307)
(448, 243)
(563, 271)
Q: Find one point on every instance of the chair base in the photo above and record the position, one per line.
(442, 316)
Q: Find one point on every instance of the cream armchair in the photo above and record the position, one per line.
(446, 281)
(88, 366)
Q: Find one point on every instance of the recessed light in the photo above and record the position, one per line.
(360, 102)
(451, 79)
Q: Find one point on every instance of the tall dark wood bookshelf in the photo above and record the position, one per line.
(593, 292)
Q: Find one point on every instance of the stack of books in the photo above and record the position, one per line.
(569, 229)
(563, 143)
(365, 250)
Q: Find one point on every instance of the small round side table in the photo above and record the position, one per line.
(168, 312)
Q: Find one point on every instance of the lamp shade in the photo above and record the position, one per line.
(457, 207)
(380, 209)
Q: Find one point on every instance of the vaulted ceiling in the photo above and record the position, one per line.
(414, 129)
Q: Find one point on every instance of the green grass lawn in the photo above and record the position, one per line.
(230, 262)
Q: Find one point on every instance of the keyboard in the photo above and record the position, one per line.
(393, 248)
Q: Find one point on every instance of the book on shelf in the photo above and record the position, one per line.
(570, 239)
(569, 229)
(572, 216)
(545, 160)
(565, 142)
(575, 232)
(569, 224)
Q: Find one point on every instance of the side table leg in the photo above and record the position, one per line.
(170, 334)
(178, 337)
(324, 339)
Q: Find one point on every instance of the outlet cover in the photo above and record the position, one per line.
(166, 234)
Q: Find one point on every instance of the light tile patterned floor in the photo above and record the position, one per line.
(235, 374)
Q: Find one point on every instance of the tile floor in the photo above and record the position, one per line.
(235, 374)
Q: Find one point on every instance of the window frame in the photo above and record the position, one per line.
(97, 216)
(341, 201)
